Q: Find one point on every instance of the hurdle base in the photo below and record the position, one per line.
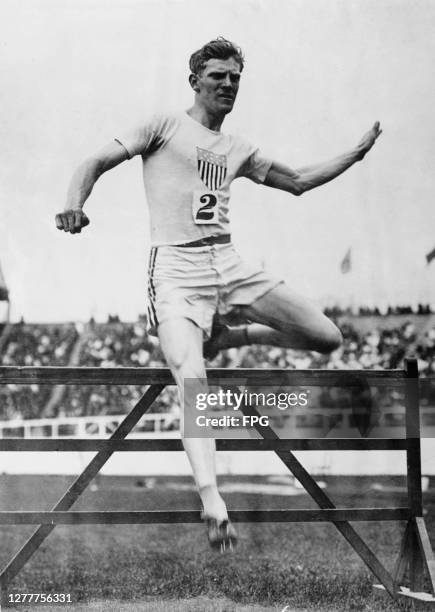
(420, 600)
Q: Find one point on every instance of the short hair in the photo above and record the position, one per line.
(219, 48)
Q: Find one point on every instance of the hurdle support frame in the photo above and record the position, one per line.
(415, 557)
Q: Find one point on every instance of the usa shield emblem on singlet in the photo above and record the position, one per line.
(212, 168)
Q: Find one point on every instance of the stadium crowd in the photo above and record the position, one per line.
(127, 344)
(33, 345)
(366, 311)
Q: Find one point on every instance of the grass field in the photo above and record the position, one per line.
(170, 567)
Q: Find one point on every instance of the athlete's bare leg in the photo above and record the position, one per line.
(181, 342)
(284, 318)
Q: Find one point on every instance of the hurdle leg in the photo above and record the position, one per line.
(403, 559)
(416, 563)
(427, 555)
(420, 552)
(415, 555)
(76, 489)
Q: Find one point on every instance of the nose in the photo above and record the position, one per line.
(227, 82)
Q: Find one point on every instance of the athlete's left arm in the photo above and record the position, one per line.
(303, 179)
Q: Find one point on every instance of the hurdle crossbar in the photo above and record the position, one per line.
(415, 557)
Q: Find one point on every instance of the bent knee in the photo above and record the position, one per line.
(330, 340)
(184, 363)
(183, 368)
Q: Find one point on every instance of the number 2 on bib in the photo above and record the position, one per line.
(205, 208)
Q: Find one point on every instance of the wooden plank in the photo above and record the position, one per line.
(85, 376)
(78, 486)
(175, 444)
(426, 549)
(413, 463)
(193, 516)
(413, 454)
(241, 376)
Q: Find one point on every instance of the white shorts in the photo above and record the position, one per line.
(197, 282)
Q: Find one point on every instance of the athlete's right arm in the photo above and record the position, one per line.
(72, 219)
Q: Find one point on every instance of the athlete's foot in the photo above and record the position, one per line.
(221, 534)
(218, 339)
(224, 337)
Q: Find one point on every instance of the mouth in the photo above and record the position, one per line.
(227, 97)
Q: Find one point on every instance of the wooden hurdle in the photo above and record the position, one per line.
(415, 558)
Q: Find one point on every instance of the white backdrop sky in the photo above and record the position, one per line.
(318, 74)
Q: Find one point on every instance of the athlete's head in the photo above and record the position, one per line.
(215, 74)
(219, 48)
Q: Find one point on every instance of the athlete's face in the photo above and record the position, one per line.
(217, 86)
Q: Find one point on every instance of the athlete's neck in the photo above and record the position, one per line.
(205, 118)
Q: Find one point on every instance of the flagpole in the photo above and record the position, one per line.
(346, 269)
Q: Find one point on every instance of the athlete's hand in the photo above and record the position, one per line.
(72, 220)
(368, 140)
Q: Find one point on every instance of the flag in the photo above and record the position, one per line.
(346, 263)
(430, 256)
(212, 168)
(4, 293)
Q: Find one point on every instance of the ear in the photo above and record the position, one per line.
(193, 80)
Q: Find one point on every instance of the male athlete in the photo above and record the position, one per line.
(194, 272)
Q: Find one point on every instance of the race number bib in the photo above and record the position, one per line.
(205, 207)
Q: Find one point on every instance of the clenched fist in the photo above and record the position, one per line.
(72, 220)
(368, 140)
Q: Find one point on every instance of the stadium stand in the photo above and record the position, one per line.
(37, 345)
(371, 341)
